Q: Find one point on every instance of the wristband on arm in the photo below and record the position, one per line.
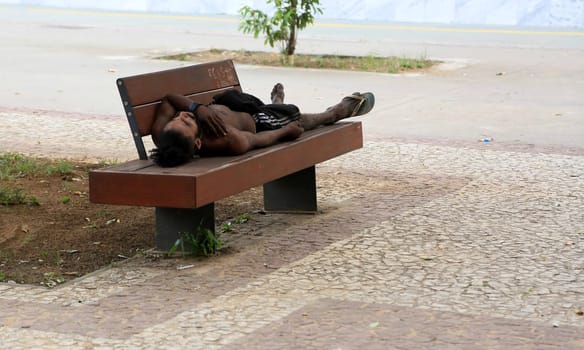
(193, 107)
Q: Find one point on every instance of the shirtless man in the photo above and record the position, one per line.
(237, 122)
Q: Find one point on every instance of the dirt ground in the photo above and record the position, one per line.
(65, 236)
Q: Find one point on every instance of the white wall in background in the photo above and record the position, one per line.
(545, 13)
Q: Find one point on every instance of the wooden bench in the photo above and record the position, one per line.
(184, 196)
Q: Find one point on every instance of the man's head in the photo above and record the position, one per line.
(177, 142)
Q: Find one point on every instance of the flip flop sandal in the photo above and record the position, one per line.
(365, 105)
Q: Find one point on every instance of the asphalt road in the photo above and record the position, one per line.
(519, 86)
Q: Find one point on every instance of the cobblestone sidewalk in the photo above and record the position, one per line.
(419, 246)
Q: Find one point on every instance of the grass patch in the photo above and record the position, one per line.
(17, 165)
(14, 165)
(352, 63)
(15, 196)
(61, 168)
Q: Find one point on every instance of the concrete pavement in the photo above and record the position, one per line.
(53, 58)
(427, 239)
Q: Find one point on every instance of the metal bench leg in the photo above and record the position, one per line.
(292, 193)
(172, 222)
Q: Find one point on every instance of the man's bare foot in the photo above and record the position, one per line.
(354, 105)
(277, 94)
(293, 131)
(343, 109)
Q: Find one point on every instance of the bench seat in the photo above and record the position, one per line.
(206, 180)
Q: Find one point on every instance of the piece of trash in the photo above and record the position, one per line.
(374, 325)
(112, 70)
(184, 267)
(501, 73)
(51, 279)
(112, 221)
(555, 324)
(70, 251)
(122, 256)
(486, 139)
(96, 243)
(579, 312)
(88, 219)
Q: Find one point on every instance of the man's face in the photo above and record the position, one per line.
(184, 123)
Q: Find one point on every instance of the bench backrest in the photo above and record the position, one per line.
(142, 94)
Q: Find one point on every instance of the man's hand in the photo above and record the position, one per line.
(211, 123)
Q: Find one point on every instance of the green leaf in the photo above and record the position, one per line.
(174, 247)
(281, 27)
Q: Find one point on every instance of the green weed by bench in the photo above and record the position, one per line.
(201, 242)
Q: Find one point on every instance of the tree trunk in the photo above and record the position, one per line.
(291, 46)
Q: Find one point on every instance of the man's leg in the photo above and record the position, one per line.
(333, 114)
(295, 192)
(277, 94)
(309, 121)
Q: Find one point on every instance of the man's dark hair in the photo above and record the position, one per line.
(173, 149)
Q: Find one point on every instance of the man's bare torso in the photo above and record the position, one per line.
(238, 120)
(235, 124)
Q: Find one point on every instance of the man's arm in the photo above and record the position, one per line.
(164, 114)
(173, 103)
(210, 121)
(179, 102)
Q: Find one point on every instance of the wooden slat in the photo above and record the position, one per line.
(151, 87)
(206, 180)
(133, 188)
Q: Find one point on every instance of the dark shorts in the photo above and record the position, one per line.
(266, 116)
(269, 119)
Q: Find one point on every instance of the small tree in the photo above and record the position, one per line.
(290, 17)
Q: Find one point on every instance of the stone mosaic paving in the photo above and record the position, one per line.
(498, 251)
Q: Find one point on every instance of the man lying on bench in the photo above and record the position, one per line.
(236, 122)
